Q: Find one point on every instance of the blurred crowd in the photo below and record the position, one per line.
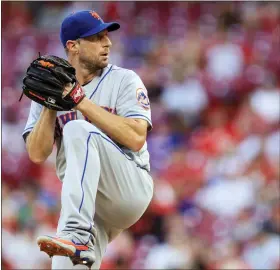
(212, 71)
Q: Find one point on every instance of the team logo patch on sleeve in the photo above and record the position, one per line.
(142, 98)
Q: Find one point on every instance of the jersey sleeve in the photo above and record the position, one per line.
(133, 100)
(34, 113)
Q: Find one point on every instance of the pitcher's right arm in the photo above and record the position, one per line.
(39, 136)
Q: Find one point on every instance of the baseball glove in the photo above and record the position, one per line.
(51, 81)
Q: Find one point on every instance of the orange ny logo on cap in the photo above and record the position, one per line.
(95, 15)
(46, 64)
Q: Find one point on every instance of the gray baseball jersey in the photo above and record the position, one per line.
(105, 185)
(117, 90)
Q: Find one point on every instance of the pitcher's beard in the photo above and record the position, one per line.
(91, 66)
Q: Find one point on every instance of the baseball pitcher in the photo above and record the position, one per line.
(98, 115)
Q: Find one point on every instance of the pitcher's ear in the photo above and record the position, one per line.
(72, 46)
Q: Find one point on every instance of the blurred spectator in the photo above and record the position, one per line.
(176, 252)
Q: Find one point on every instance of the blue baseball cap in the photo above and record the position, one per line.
(83, 24)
